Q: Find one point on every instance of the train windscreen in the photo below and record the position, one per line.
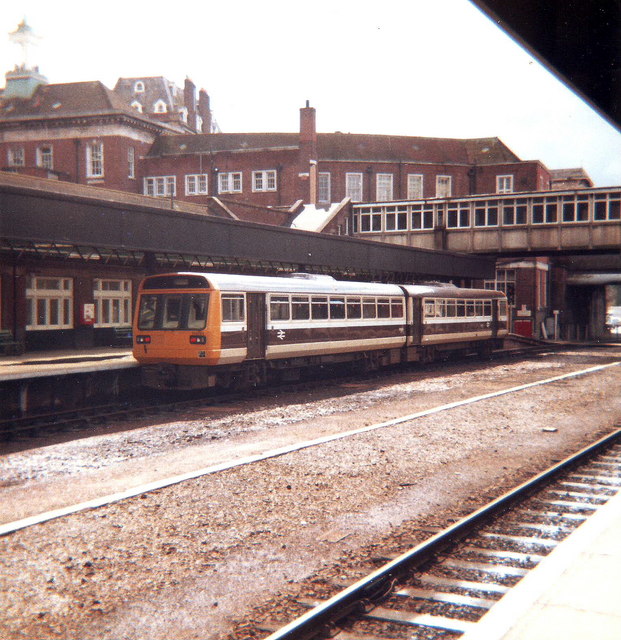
(161, 311)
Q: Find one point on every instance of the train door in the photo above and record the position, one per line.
(495, 317)
(256, 325)
(416, 314)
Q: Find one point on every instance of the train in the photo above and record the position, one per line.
(199, 330)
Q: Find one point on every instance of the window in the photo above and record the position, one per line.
(136, 105)
(16, 157)
(280, 308)
(458, 215)
(370, 219)
(324, 195)
(545, 210)
(383, 187)
(485, 213)
(264, 180)
(505, 282)
(139, 87)
(131, 162)
(575, 208)
(95, 160)
(354, 308)
(160, 107)
(607, 207)
(300, 308)
(196, 184)
(49, 303)
(422, 216)
(353, 186)
(337, 308)
(504, 184)
(396, 218)
(173, 311)
(443, 186)
(233, 307)
(415, 186)
(45, 157)
(513, 212)
(319, 308)
(160, 186)
(230, 182)
(113, 301)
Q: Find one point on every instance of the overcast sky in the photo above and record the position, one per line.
(408, 67)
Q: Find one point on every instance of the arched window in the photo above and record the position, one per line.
(136, 105)
(160, 107)
(139, 87)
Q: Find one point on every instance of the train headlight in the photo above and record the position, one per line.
(143, 339)
(198, 339)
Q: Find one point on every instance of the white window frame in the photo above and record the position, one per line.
(160, 186)
(415, 186)
(137, 105)
(16, 157)
(160, 107)
(45, 157)
(504, 184)
(139, 86)
(264, 180)
(384, 187)
(95, 160)
(444, 186)
(113, 302)
(49, 301)
(324, 190)
(196, 184)
(230, 182)
(354, 183)
(131, 162)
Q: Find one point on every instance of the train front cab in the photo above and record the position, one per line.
(177, 332)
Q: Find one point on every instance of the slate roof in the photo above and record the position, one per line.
(53, 101)
(155, 88)
(347, 146)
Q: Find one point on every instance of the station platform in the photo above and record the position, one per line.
(573, 594)
(66, 362)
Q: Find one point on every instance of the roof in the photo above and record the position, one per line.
(155, 88)
(53, 101)
(346, 146)
(577, 173)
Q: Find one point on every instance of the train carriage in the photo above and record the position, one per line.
(195, 330)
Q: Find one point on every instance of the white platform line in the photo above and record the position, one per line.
(11, 527)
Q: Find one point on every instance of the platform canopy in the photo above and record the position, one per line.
(55, 219)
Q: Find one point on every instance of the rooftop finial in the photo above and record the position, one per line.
(25, 38)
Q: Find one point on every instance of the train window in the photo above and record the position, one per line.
(197, 311)
(319, 307)
(502, 308)
(430, 308)
(146, 314)
(396, 308)
(300, 307)
(279, 308)
(368, 308)
(470, 308)
(172, 312)
(451, 308)
(487, 308)
(478, 308)
(354, 308)
(383, 308)
(337, 308)
(233, 308)
(461, 308)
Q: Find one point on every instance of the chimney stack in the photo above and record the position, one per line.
(204, 111)
(189, 100)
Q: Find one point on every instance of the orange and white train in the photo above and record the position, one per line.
(197, 330)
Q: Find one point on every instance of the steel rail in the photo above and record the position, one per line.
(360, 594)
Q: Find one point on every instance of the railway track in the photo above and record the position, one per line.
(34, 426)
(440, 589)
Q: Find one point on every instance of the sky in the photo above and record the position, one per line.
(404, 67)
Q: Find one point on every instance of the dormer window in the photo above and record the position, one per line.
(139, 87)
(184, 114)
(160, 107)
(136, 105)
